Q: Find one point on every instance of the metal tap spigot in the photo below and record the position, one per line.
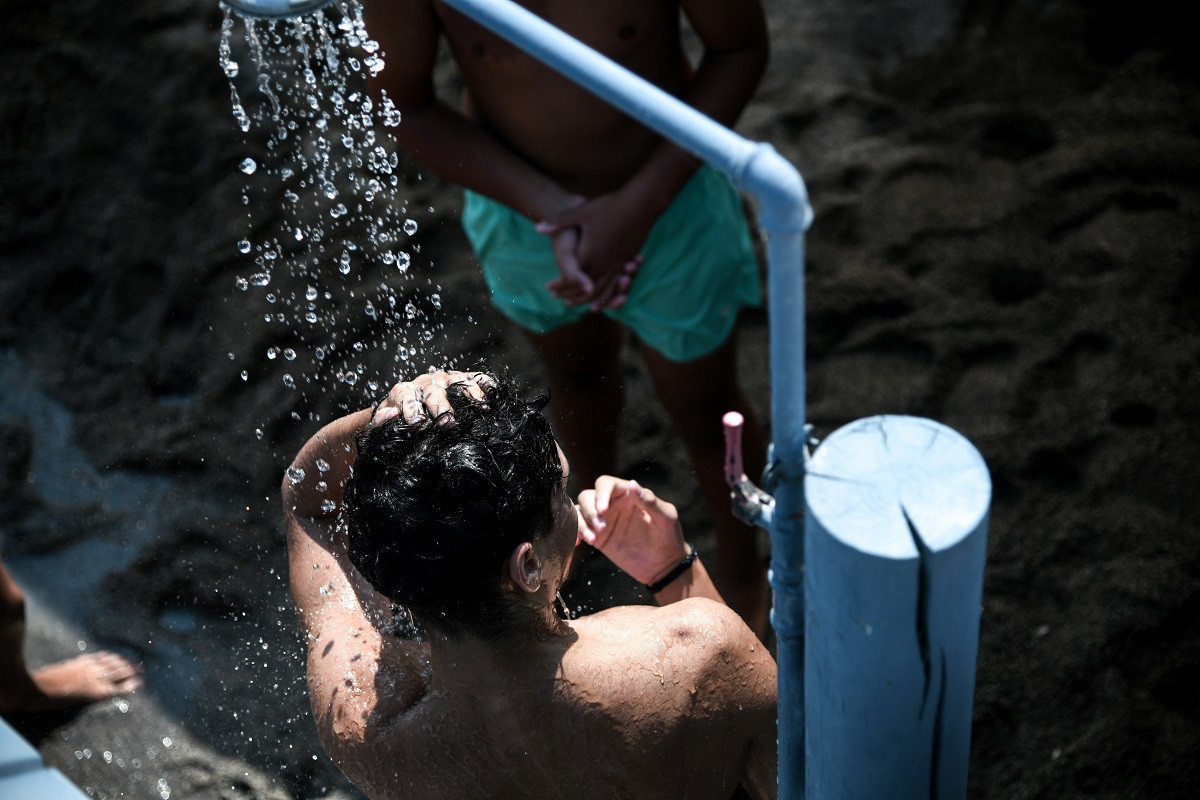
(750, 504)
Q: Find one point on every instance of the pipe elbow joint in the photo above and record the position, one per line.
(780, 190)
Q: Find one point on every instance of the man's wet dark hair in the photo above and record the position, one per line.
(435, 509)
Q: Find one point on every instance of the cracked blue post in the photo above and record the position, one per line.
(895, 541)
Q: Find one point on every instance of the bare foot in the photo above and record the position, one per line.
(76, 681)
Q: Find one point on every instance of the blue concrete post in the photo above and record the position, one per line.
(895, 542)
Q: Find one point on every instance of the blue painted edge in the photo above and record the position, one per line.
(24, 777)
(40, 784)
(16, 754)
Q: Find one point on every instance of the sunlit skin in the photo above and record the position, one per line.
(597, 181)
(668, 701)
(76, 681)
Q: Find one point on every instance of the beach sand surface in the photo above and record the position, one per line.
(1007, 240)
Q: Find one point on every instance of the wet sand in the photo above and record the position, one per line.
(1006, 240)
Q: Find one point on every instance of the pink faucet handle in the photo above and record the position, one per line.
(735, 471)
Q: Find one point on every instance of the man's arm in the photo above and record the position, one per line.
(640, 533)
(341, 615)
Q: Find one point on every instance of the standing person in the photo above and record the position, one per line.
(450, 499)
(63, 684)
(586, 222)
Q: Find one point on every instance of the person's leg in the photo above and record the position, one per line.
(696, 394)
(79, 680)
(586, 392)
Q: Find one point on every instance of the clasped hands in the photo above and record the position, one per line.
(597, 244)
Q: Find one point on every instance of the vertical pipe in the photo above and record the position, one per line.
(786, 314)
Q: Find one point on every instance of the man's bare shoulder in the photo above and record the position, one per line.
(697, 634)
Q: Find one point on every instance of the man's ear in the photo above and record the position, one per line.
(524, 568)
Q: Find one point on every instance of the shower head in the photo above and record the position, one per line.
(277, 9)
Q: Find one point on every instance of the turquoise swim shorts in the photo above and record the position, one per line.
(699, 269)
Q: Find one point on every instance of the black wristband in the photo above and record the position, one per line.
(679, 569)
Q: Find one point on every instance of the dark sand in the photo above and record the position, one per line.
(1006, 241)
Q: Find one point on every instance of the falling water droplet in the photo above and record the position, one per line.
(289, 381)
(260, 279)
(289, 354)
(310, 293)
(322, 465)
(231, 69)
(410, 226)
(248, 166)
(241, 283)
(244, 246)
(272, 352)
(436, 300)
(295, 474)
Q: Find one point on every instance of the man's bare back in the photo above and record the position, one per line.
(642, 701)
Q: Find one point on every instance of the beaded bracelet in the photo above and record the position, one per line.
(680, 568)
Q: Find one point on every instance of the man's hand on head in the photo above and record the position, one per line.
(424, 398)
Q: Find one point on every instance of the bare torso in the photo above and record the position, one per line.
(619, 709)
(564, 130)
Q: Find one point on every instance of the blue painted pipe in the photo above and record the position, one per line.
(784, 215)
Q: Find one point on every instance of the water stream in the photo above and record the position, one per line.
(331, 246)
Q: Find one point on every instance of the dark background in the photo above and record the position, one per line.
(1005, 240)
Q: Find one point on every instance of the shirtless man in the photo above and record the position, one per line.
(63, 684)
(584, 221)
(458, 510)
